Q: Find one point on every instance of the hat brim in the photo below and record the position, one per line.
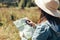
(41, 5)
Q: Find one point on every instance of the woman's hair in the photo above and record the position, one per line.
(42, 16)
(45, 16)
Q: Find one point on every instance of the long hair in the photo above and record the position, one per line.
(46, 16)
(43, 15)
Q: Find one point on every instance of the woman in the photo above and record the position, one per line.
(49, 27)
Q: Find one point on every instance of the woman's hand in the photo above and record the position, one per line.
(29, 22)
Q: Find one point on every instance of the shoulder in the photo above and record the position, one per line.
(42, 31)
(43, 28)
(44, 25)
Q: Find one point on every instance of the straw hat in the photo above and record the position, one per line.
(49, 6)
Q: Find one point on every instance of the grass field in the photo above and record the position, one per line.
(8, 31)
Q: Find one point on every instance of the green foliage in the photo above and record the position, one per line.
(26, 3)
(19, 3)
(1, 24)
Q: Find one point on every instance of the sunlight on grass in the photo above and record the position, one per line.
(8, 31)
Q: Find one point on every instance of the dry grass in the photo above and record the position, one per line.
(8, 31)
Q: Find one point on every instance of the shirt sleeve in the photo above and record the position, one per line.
(41, 33)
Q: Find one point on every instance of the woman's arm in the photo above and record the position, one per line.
(41, 33)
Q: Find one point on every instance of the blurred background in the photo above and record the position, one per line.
(17, 3)
(11, 10)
